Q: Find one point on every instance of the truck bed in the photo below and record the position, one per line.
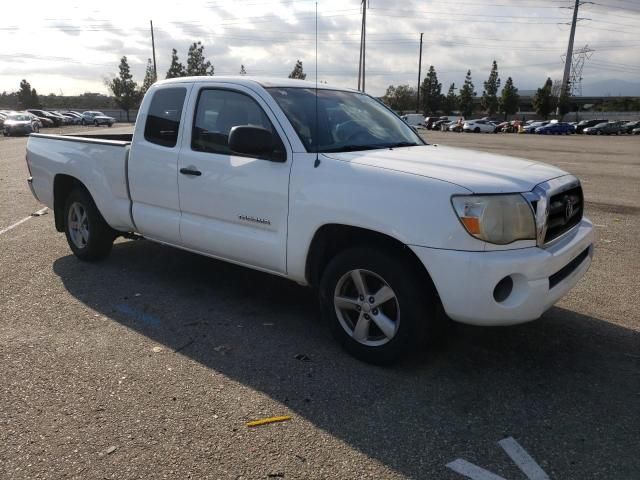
(99, 161)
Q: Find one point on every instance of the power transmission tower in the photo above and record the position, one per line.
(577, 65)
(363, 46)
(419, 74)
(572, 35)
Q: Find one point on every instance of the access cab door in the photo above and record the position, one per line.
(233, 206)
(153, 166)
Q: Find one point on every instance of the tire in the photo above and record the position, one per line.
(409, 294)
(97, 240)
(83, 122)
(96, 123)
(110, 125)
(476, 130)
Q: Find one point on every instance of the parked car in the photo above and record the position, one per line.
(414, 120)
(71, 119)
(44, 114)
(556, 128)
(35, 119)
(225, 171)
(609, 128)
(63, 120)
(455, 125)
(628, 127)
(479, 126)
(531, 128)
(46, 122)
(3, 116)
(635, 131)
(19, 124)
(75, 115)
(441, 124)
(97, 119)
(429, 121)
(588, 123)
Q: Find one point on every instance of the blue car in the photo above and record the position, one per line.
(559, 128)
(531, 128)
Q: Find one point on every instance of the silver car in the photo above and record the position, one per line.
(97, 119)
(19, 124)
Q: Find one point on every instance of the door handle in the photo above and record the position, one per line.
(190, 171)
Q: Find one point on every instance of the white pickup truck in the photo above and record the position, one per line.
(331, 189)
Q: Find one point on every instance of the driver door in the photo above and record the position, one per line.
(233, 206)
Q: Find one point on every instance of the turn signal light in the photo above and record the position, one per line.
(472, 224)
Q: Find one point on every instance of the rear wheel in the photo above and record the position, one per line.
(88, 235)
(377, 305)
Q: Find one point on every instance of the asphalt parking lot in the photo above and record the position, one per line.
(149, 364)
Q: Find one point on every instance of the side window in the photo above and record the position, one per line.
(218, 111)
(163, 118)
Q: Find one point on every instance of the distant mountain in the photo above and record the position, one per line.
(611, 87)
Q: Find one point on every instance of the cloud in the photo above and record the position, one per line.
(267, 36)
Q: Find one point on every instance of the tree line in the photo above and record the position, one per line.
(128, 95)
(433, 101)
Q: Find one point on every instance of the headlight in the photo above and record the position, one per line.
(499, 219)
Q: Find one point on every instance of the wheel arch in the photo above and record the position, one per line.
(332, 238)
(63, 185)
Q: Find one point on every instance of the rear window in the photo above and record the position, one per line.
(163, 119)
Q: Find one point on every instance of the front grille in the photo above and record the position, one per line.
(565, 212)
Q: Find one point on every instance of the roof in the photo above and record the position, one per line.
(248, 80)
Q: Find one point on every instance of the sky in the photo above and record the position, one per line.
(70, 47)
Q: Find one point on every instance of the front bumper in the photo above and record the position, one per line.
(18, 130)
(465, 281)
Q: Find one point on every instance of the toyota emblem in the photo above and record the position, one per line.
(568, 209)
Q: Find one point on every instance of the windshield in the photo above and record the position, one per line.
(19, 118)
(346, 121)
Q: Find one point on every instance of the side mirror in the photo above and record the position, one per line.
(251, 140)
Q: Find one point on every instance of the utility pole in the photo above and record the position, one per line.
(153, 47)
(567, 63)
(419, 74)
(363, 47)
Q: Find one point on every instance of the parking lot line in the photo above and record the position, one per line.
(20, 222)
(472, 471)
(522, 459)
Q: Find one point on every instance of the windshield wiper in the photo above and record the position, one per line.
(401, 144)
(353, 148)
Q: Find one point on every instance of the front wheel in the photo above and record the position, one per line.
(96, 123)
(88, 234)
(477, 130)
(377, 305)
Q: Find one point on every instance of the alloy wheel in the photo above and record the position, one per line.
(78, 224)
(367, 307)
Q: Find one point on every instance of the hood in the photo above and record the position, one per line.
(478, 172)
(17, 122)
